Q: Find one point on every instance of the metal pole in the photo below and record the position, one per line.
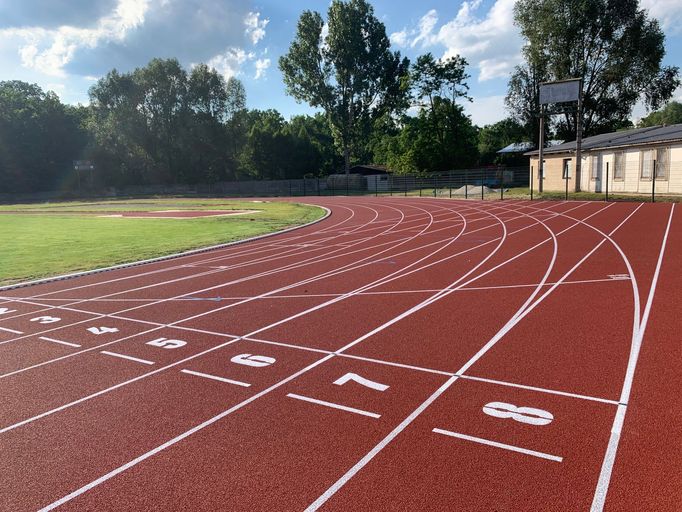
(579, 139)
(376, 185)
(607, 182)
(290, 193)
(347, 180)
(653, 184)
(482, 181)
(405, 185)
(390, 185)
(531, 182)
(566, 179)
(466, 184)
(304, 192)
(420, 186)
(541, 167)
(501, 185)
(450, 182)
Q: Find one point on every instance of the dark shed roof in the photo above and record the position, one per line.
(649, 135)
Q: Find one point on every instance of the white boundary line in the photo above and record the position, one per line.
(67, 343)
(488, 442)
(614, 440)
(10, 330)
(333, 405)
(215, 377)
(123, 356)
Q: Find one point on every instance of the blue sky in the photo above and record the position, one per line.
(66, 45)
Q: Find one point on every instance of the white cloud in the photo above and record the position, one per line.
(255, 27)
(229, 62)
(425, 29)
(667, 12)
(49, 50)
(399, 38)
(488, 41)
(261, 66)
(486, 109)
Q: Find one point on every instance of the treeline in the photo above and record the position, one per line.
(161, 124)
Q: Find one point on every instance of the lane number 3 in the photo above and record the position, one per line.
(528, 415)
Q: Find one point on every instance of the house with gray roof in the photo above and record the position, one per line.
(628, 161)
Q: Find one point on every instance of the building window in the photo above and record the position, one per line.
(646, 162)
(596, 167)
(566, 169)
(619, 166)
(662, 163)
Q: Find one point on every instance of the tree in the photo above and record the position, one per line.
(612, 45)
(39, 139)
(446, 132)
(670, 114)
(350, 73)
(493, 137)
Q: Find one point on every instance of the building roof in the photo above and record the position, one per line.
(638, 136)
(522, 147)
(368, 170)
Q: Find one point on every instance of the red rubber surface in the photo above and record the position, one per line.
(402, 354)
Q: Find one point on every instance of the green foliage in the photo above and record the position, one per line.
(612, 45)
(670, 114)
(493, 137)
(350, 73)
(39, 139)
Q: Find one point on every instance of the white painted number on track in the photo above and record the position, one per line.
(362, 381)
(528, 415)
(102, 330)
(5, 311)
(45, 319)
(166, 343)
(252, 360)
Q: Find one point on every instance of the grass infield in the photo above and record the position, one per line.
(40, 240)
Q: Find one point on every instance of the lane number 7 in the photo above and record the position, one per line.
(362, 381)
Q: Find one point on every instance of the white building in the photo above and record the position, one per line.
(627, 160)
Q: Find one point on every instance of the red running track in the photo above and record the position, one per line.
(402, 354)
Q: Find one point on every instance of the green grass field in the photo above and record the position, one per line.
(38, 240)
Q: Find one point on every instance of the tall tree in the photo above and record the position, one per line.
(350, 72)
(612, 45)
(670, 114)
(493, 137)
(437, 86)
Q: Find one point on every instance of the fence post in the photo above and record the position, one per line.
(466, 184)
(484, 175)
(531, 182)
(420, 186)
(450, 182)
(435, 182)
(304, 191)
(347, 180)
(290, 193)
(653, 184)
(318, 185)
(405, 185)
(607, 182)
(376, 185)
(501, 185)
(390, 185)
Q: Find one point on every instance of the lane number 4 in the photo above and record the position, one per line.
(528, 415)
(101, 330)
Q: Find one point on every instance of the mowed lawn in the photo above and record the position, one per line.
(45, 239)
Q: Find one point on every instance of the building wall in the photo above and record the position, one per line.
(554, 167)
(595, 180)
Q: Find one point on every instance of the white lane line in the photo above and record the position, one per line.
(10, 330)
(614, 440)
(123, 356)
(333, 405)
(215, 377)
(488, 442)
(67, 343)
(541, 390)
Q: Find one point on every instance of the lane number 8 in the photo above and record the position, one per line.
(528, 415)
